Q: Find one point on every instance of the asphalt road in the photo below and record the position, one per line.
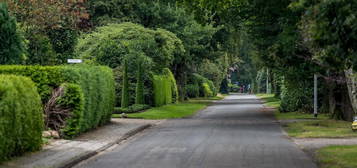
(232, 133)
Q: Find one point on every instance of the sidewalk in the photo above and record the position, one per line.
(66, 153)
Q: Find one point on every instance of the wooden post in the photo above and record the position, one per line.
(315, 96)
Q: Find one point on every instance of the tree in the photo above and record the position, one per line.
(12, 48)
(139, 97)
(125, 89)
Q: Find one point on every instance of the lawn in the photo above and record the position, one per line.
(179, 110)
(298, 115)
(320, 129)
(274, 102)
(337, 156)
(270, 100)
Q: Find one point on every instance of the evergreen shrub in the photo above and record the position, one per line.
(165, 88)
(94, 88)
(21, 121)
(206, 87)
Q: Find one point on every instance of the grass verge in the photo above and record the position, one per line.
(170, 111)
(320, 129)
(270, 100)
(274, 102)
(298, 115)
(337, 156)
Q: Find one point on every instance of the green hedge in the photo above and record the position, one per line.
(165, 88)
(94, 82)
(21, 121)
(200, 86)
(131, 109)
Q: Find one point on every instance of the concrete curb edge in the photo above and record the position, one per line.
(88, 155)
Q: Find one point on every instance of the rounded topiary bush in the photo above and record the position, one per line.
(21, 121)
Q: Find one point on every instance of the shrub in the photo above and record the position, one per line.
(21, 121)
(40, 51)
(12, 46)
(192, 90)
(165, 88)
(296, 96)
(95, 82)
(139, 97)
(207, 92)
(125, 89)
(131, 109)
(174, 89)
(206, 87)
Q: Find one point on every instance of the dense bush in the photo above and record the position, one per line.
(207, 92)
(192, 90)
(95, 82)
(21, 121)
(39, 50)
(296, 96)
(12, 48)
(131, 109)
(205, 87)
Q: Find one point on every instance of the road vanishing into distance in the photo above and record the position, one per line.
(231, 133)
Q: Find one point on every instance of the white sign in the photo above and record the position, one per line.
(74, 61)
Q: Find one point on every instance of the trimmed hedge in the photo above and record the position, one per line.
(89, 93)
(165, 88)
(21, 121)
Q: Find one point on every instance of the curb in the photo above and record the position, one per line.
(88, 155)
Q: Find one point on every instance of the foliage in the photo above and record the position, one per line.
(131, 109)
(139, 97)
(330, 29)
(21, 121)
(12, 48)
(212, 71)
(125, 89)
(47, 14)
(174, 89)
(162, 90)
(207, 92)
(72, 99)
(224, 89)
(96, 83)
(296, 96)
(63, 41)
(109, 45)
(40, 50)
(165, 88)
(192, 90)
(206, 87)
(178, 110)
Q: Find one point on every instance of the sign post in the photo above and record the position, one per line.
(315, 96)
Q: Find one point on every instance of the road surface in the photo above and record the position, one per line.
(232, 133)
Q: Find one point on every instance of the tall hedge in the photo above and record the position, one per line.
(165, 88)
(139, 92)
(21, 121)
(125, 89)
(91, 87)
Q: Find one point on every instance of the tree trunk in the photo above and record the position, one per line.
(352, 88)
